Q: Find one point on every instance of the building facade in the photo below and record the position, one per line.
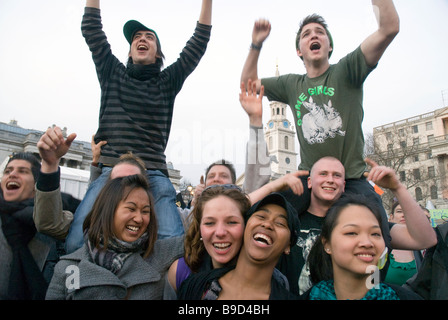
(75, 165)
(417, 148)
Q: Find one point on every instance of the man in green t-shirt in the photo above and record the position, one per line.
(327, 101)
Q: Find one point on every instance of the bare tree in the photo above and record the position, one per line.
(402, 151)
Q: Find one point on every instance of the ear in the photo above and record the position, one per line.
(287, 250)
(299, 53)
(309, 182)
(326, 246)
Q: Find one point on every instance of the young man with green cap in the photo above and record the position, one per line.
(137, 102)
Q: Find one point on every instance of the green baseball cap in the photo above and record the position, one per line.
(132, 26)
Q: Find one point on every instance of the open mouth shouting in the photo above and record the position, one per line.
(12, 185)
(263, 239)
(315, 47)
(142, 47)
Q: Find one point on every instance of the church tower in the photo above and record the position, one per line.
(280, 137)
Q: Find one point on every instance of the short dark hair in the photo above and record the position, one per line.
(394, 206)
(226, 164)
(31, 158)
(99, 222)
(314, 18)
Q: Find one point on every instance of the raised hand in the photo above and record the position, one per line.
(52, 147)
(252, 103)
(96, 149)
(383, 176)
(262, 29)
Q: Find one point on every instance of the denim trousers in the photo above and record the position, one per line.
(168, 218)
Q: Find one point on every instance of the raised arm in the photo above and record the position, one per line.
(206, 12)
(388, 27)
(49, 216)
(417, 234)
(290, 180)
(52, 147)
(258, 164)
(261, 30)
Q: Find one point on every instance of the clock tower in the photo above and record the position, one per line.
(281, 137)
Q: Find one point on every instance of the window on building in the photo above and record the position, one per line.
(286, 142)
(433, 192)
(388, 135)
(415, 129)
(431, 138)
(429, 125)
(416, 141)
(401, 132)
(270, 143)
(403, 144)
(402, 176)
(429, 155)
(390, 147)
(416, 158)
(431, 172)
(418, 194)
(416, 173)
(72, 164)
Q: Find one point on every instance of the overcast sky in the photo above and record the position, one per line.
(47, 75)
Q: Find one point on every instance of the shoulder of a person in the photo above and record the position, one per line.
(404, 293)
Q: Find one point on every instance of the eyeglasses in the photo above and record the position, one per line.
(224, 186)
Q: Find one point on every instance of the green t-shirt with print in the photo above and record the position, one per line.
(328, 111)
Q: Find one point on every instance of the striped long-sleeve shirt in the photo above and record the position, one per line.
(136, 115)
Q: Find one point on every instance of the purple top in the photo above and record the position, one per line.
(182, 273)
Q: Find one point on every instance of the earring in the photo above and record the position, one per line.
(200, 238)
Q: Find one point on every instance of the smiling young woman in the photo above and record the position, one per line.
(121, 257)
(271, 226)
(350, 245)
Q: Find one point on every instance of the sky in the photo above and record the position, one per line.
(47, 75)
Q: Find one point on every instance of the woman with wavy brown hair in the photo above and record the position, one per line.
(214, 236)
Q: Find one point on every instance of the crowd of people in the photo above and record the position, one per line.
(319, 233)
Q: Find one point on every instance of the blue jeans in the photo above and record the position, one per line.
(163, 192)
